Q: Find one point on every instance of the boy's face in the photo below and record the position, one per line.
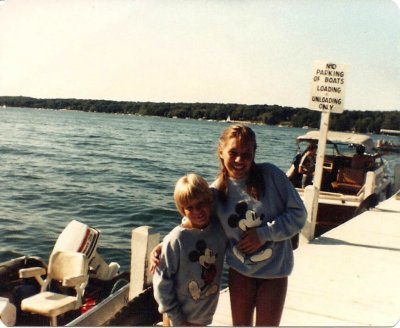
(198, 212)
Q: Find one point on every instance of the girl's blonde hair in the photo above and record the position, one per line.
(255, 179)
(190, 187)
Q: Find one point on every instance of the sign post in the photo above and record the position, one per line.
(327, 96)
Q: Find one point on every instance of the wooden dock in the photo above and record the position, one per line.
(349, 276)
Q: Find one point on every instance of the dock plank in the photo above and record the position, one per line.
(347, 277)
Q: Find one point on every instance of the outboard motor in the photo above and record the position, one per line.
(79, 237)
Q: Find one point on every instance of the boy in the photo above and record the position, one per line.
(187, 280)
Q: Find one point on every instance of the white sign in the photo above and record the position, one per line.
(327, 87)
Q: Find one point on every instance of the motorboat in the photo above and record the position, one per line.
(75, 280)
(389, 141)
(345, 191)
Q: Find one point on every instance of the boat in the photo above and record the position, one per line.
(344, 192)
(227, 120)
(389, 141)
(26, 286)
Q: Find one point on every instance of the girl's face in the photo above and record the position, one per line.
(198, 213)
(237, 157)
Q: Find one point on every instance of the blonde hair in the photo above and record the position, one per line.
(190, 187)
(255, 179)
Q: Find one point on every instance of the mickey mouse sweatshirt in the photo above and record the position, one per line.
(187, 281)
(277, 216)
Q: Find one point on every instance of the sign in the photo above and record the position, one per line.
(327, 87)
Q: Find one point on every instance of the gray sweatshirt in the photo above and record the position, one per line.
(277, 216)
(187, 281)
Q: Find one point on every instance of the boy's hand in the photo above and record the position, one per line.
(155, 258)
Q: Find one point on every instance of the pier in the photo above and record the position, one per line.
(347, 277)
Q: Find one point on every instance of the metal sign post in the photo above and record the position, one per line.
(327, 96)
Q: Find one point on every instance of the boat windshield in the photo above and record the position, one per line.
(336, 149)
(338, 143)
(347, 149)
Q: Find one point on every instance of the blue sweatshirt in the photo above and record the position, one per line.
(187, 281)
(277, 216)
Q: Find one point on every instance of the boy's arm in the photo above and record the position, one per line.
(165, 290)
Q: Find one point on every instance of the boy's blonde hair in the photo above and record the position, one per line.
(189, 187)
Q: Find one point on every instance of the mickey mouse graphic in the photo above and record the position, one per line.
(245, 218)
(206, 258)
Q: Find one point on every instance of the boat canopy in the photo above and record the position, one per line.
(335, 137)
(390, 132)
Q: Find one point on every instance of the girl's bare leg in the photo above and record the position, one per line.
(242, 291)
(271, 294)
(266, 295)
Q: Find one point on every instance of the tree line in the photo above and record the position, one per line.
(358, 121)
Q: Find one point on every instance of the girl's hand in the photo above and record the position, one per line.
(155, 258)
(249, 241)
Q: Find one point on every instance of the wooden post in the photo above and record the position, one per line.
(326, 102)
(144, 239)
(324, 126)
(396, 182)
(311, 194)
(369, 184)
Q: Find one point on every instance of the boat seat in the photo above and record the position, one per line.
(349, 181)
(69, 268)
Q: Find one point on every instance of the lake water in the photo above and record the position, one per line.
(111, 172)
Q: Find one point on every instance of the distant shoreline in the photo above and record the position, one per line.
(357, 121)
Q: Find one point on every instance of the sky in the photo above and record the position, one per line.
(214, 51)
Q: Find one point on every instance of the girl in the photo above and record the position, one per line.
(260, 211)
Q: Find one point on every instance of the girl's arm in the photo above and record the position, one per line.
(155, 258)
(286, 223)
(293, 216)
(250, 241)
